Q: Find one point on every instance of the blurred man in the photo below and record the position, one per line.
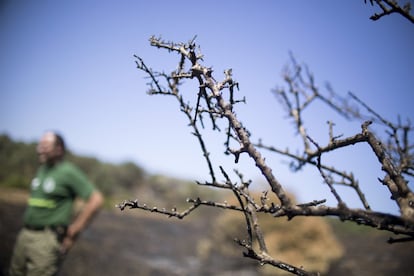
(49, 230)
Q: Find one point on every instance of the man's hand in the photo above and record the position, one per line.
(67, 243)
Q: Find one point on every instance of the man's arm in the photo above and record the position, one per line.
(91, 207)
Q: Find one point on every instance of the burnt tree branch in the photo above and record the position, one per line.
(218, 100)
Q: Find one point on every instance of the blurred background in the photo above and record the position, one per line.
(69, 66)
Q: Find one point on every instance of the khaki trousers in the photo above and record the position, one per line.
(36, 253)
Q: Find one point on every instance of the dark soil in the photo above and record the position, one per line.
(367, 253)
(117, 243)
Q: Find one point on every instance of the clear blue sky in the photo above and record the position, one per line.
(69, 66)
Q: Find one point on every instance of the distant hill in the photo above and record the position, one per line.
(18, 162)
(18, 165)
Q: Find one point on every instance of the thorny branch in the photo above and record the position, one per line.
(395, 156)
(391, 6)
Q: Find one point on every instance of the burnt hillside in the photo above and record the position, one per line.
(132, 243)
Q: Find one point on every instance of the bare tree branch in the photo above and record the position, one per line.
(391, 6)
(218, 100)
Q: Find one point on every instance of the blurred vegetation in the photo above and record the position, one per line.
(18, 165)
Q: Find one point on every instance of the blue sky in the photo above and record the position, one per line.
(69, 66)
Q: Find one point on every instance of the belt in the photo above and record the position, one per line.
(59, 230)
(35, 228)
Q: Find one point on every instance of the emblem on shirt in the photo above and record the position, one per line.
(49, 185)
(35, 183)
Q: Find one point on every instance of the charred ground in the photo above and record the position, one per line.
(131, 243)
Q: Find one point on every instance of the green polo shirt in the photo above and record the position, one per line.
(53, 192)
